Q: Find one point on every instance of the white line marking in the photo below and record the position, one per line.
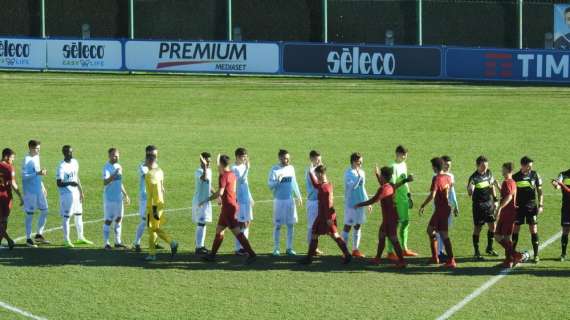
(20, 311)
(491, 282)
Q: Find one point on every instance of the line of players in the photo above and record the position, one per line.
(519, 193)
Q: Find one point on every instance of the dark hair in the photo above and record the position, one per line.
(65, 147)
(508, 166)
(567, 11)
(354, 157)
(111, 150)
(401, 149)
(150, 157)
(526, 160)
(205, 155)
(446, 158)
(314, 154)
(282, 152)
(322, 169)
(437, 163)
(480, 160)
(150, 148)
(240, 152)
(224, 160)
(7, 152)
(386, 172)
(33, 143)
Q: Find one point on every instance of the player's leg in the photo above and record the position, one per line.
(244, 242)
(520, 220)
(356, 236)
(291, 217)
(533, 228)
(106, 233)
(28, 221)
(118, 231)
(200, 247)
(477, 226)
(404, 226)
(152, 237)
(448, 248)
(432, 242)
(491, 236)
(346, 232)
(564, 242)
(42, 220)
(161, 233)
(65, 228)
(312, 249)
(4, 213)
(77, 210)
(349, 216)
(277, 221)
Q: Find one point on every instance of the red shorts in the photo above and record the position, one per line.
(320, 226)
(228, 217)
(506, 224)
(439, 221)
(5, 206)
(389, 226)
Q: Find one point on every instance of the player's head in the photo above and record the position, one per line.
(526, 164)
(113, 155)
(8, 155)
(150, 159)
(241, 155)
(446, 163)
(401, 153)
(567, 16)
(207, 157)
(356, 160)
(321, 172)
(34, 147)
(315, 157)
(507, 169)
(482, 164)
(437, 164)
(224, 162)
(284, 157)
(386, 174)
(151, 149)
(67, 152)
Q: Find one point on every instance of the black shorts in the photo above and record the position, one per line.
(565, 216)
(527, 214)
(483, 212)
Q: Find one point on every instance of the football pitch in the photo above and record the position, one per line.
(185, 115)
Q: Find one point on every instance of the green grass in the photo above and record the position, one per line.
(185, 115)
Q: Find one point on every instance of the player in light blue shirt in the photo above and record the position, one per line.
(244, 197)
(202, 213)
(354, 193)
(312, 201)
(113, 195)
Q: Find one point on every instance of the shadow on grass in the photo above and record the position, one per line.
(95, 257)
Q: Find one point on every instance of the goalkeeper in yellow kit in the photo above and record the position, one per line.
(154, 181)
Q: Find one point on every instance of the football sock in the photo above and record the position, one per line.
(200, 235)
(534, 240)
(342, 245)
(475, 238)
(118, 228)
(309, 234)
(65, 228)
(3, 233)
(106, 231)
(313, 248)
(448, 248)
(356, 234)
(345, 235)
(162, 235)
(564, 242)
(290, 230)
(139, 232)
(508, 248)
(490, 237)
(399, 251)
(29, 217)
(42, 222)
(439, 243)
(433, 246)
(217, 243)
(380, 247)
(151, 242)
(276, 236)
(245, 244)
(404, 228)
(79, 225)
(245, 231)
(515, 238)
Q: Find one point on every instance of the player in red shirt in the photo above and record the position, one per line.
(389, 226)
(228, 215)
(7, 185)
(439, 193)
(506, 216)
(325, 223)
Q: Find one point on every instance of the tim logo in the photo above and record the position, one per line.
(498, 65)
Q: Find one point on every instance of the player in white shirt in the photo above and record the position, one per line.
(113, 195)
(452, 203)
(283, 184)
(35, 194)
(243, 194)
(312, 201)
(354, 193)
(202, 213)
(70, 196)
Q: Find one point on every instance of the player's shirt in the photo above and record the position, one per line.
(67, 172)
(31, 180)
(354, 187)
(441, 184)
(385, 195)
(287, 187)
(324, 198)
(526, 188)
(509, 187)
(312, 193)
(400, 172)
(154, 180)
(564, 178)
(7, 177)
(227, 180)
(202, 187)
(483, 183)
(113, 191)
(243, 193)
(142, 171)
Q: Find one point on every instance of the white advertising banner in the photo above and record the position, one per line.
(84, 54)
(203, 56)
(22, 53)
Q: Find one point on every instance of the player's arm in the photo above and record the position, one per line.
(125, 195)
(80, 188)
(109, 177)
(470, 187)
(272, 180)
(429, 198)
(540, 194)
(453, 199)
(296, 190)
(16, 190)
(560, 185)
(377, 197)
(377, 174)
(397, 185)
(313, 180)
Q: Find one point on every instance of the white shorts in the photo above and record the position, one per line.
(354, 216)
(35, 201)
(70, 204)
(202, 214)
(245, 213)
(312, 212)
(284, 212)
(142, 209)
(113, 210)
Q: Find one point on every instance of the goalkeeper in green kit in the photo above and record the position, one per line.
(403, 201)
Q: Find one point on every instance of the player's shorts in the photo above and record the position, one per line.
(320, 226)
(284, 212)
(35, 201)
(527, 214)
(142, 209)
(483, 213)
(202, 214)
(439, 221)
(565, 216)
(389, 226)
(5, 206)
(113, 210)
(506, 224)
(354, 216)
(312, 212)
(70, 203)
(245, 213)
(228, 217)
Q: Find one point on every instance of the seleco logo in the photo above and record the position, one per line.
(14, 49)
(356, 62)
(79, 50)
